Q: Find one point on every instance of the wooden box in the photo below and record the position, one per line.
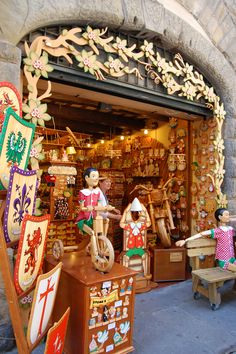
(102, 305)
(168, 264)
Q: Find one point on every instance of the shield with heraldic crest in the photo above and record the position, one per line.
(56, 335)
(31, 248)
(42, 306)
(15, 144)
(21, 196)
(9, 97)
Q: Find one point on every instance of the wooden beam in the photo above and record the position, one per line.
(96, 130)
(107, 119)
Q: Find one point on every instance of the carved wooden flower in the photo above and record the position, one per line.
(219, 111)
(209, 94)
(36, 112)
(161, 63)
(219, 144)
(189, 91)
(36, 153)
(87, 61)
(93, 36)
(188, 70)
(114, 65)
(38, 64)
(122, 50)
(147, 48)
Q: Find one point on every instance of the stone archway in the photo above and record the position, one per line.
(149, 18)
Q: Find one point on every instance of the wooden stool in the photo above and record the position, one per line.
(214, 279)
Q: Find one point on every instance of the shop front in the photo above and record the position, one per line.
(148, 120)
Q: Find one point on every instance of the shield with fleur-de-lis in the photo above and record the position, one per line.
(56, 335)
(15, 144)
(43, 302)
(21, 197)
(30, 253)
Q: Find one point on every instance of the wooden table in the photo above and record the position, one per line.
(102, 305)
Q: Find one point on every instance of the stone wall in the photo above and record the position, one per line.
(202, 31)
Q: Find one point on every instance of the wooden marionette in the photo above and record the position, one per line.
(135, 222)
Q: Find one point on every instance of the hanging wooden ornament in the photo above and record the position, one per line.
(171, 163)
(181, 133)
(173, 122)
(172, 136)
(203, 126)
(212, 122)
(181, 164)
(195, 149)
(193, 211)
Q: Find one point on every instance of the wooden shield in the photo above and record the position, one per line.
(56, 335)
(43, 302)
(31, 249)
(21, 196)
(9, 97)
(15, 144)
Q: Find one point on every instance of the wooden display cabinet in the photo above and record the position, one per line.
(168, 264)
(115, 196)
(102, 305)
(62, 224)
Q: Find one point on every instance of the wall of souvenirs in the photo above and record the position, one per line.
(179, 151)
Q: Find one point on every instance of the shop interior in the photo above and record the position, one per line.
(140, 147)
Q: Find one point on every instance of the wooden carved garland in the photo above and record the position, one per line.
(176, 76)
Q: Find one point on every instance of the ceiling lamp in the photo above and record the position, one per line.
(145, 131)
(70, 150)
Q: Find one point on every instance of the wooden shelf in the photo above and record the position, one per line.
(58, 163)
(146, 176)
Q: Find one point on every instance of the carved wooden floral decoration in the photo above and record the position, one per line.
(84, 47)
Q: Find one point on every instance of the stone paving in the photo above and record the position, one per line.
(169, 320)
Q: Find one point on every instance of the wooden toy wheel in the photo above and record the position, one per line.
(214, 307)
(57, 249)
(105, 259)
(163, 234)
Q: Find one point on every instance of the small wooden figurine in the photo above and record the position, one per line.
(135, 221)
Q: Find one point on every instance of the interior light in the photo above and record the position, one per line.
(88, 145)
(122, 137)
(102, 141)
(145, 131)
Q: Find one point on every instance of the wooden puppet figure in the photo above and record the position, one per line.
(135, 221)
(88, 198)
(223, 234)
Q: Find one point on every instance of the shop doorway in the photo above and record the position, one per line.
(180, 141)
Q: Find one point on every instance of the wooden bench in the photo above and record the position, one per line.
(207, 281)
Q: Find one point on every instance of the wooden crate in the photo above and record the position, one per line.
(168, 264)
